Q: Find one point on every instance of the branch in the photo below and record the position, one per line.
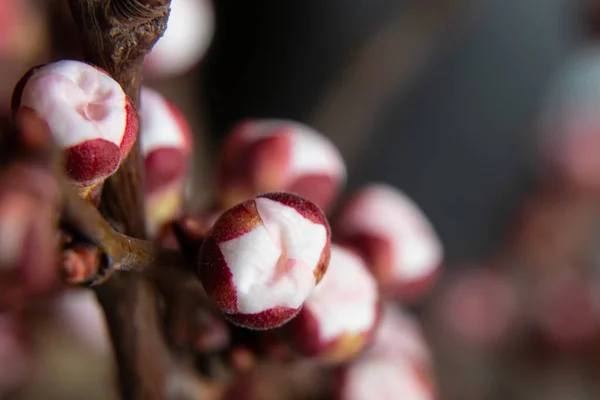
(116, 36)
(122, 252)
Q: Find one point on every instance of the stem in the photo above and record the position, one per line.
(116, 36)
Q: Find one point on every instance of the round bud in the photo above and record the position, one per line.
(399, 334)
(395, 238)
(89, 116)
(385, 378)
(263, 258)
(190, 30)
(566, 311)
(166, 145)
(479, 307)
(276, 155)
(340, 315)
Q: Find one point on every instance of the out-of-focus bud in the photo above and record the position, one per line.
(264, 257)
(28, 240)
(15, 353)
(276, 155)
(478, 307)
(399, 334)
(570, 123)
(78, 312)
(385, 378)
(89, 116)
(166, 143)
(340, 315)
(394, 237)
(396, 366)
(190, 30)
(566, 310)
(554, 228)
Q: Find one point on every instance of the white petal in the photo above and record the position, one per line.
(384, 379)
(158, 126)
(78, 102)
(346, 299)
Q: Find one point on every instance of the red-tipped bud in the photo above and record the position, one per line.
(479, 307)
(274, 155)
(395, 238)
(89, 116)
(340, 315)
(189, 32)
(567, 311)
(264, 257)
(166, 143)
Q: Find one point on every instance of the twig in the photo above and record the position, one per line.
(116, 36)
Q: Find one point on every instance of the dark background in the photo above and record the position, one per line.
(456, 136)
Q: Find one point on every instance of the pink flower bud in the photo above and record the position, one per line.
(400, 335)
(28, 251)
(385, 378)
(15, 353)
(478, 308)
(395, 366)
(566, 310)
(275, 155)
(166, 143)
(88, 114)
(190, 30)
(341, 313)
(263, 258)
(395, 238)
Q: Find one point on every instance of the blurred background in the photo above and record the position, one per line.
(445, 100)
(436, 97)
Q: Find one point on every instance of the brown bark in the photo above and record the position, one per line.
(116, 35)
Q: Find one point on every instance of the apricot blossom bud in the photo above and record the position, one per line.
(399, 334)
(166, 144)
(16, 356)
(395, 238)
(263, 258)
(190, 30)
(276, 155)
(89, 116)
(479, 308)
(395, 366)
(339, 316)
(385, 378)
(566, 310)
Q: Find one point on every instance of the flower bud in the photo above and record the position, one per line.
(189, 32)
(478, 308)
(275, 155)
(396, 365)
(166, 144)
(89, 116)
(263, 258)
(338, 318)
(395, 238)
